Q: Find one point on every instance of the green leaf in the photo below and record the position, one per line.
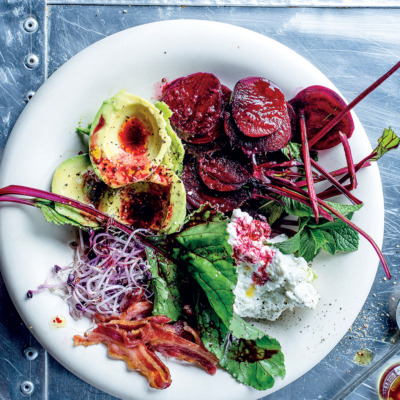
(51, 215)
(318, 237)
(165, 285)
(292, 151)
(173, 159)
(388, 141)
(288, 246)
(308, 249)
(294, 207)
(254, 359)
(205, 213)
(346, 239)
(330, 244)
(272, 210)
(204, 250)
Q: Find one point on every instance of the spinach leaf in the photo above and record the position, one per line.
(204, 250)
(249, 354)
(165, 285)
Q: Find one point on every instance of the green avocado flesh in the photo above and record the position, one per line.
(173, 158)
(75, 178)
(158, 203)
(128, 140)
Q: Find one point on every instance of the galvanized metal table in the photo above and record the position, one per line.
(352, 42)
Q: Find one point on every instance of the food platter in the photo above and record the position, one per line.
(138, 59)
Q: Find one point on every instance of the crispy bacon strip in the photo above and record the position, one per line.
(136, 354)
(163, 339)
(135, 342)
(137, 311)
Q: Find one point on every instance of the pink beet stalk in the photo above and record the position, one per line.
(307, 168)
(349, 159)
(42, 194)
(345, 110)
(362, 233)
(340, 188)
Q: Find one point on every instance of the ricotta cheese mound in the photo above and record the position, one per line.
(269, 282)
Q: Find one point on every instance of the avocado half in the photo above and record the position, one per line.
(158, 203)
(76, 179)
(127, 140)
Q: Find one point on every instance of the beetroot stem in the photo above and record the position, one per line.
(345, 110)
(336, 184)
(12, 199)
(307, 168)
(303, 199)
(349, 159)
(361, 232)
(335, 173)
(42, 194)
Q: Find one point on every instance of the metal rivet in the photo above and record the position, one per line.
(27, 387)
(28, 95)
(31, 61)
(30, 25)
(30, 353)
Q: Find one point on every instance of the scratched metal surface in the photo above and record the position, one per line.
(351, 46)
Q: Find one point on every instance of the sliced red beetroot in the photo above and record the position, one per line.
(196, 102)
(320, 105)
(226, 96)
(199, 150)
(265, 144)
(293, 119)
(258, 107)
(197, 193)
(222, 174)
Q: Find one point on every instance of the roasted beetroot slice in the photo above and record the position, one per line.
(222, 174)
(265, 144)
(293, 119)
(320, 105)
(197, 193)
(226, 96)
(199, 150)
(207, 137)
(258, 107)
(196, 102)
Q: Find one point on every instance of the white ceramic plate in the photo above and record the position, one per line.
(137, 59)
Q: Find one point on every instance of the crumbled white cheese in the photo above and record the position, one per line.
(282, 281)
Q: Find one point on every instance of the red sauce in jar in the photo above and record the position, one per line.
(389, 386)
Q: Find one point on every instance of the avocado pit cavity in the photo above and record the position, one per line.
(128, 140)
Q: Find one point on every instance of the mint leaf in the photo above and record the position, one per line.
(298, 209)
(272, 210)
(308, 249)
(288, 246)
(292, 151)
(255, 359)
(346, 239)
(330, 244)
(204, 250)
(388, 141)
(165, 285)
